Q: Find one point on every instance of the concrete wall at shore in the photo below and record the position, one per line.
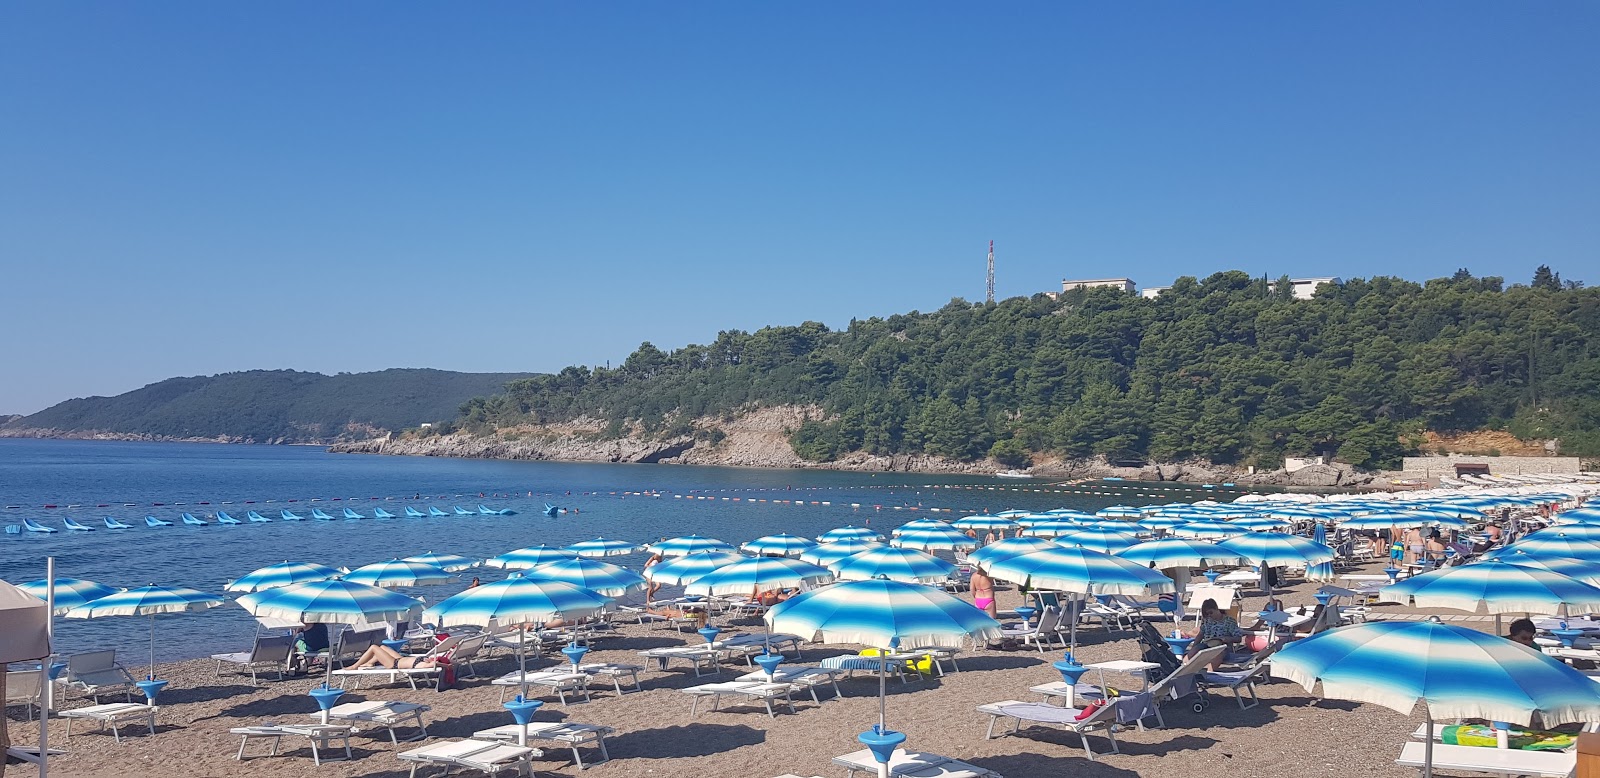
(1436, 466)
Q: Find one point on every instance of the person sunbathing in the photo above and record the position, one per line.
(384, 656)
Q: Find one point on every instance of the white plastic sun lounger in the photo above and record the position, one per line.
(570, 734)
(485, 755)
(911, 765)
(270, 653)
(703, 658)
(558, 681)
(112, 714)
(97, 672)
(616, 672)
(803, 678)
(1498, 761)
(320, 736)
(1066, 718)
(764, 692)
(387, 714)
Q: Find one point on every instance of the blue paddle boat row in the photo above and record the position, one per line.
(222, 517)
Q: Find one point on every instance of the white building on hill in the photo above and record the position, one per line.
(1303, 288)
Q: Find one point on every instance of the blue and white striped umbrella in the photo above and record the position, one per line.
(1588, 514)
(1080, 570)
(1576, 569)
(929, 539)
(603, 577)
(1010, 547)
(282, 574)
(916, 524)
(848, 532)
(1558, 543)
(450, 563)
(895, 564)
(828, 553)
(1158, 522)
(532, 556)
(1320, 571)
(689, 544)
(1207, 529)
(778, 545)
(1054, 528)
(983, 523)
(396, 573)
(1589, 532)
(882, 613)
(1012, 513)
(1254, 523)
(683, 569)
(70, 592)
(148, 601)
(517, 601)
(1104, 541)
(1181, 552)
(1035, 518)
(331, 602)
(601, 547)
(1403, 518)
(762, 572)
(1276, 549)
(1120, 512)
(1497, 587)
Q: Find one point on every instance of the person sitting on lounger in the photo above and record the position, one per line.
(384, 656)
(1216, 629)
(1522, 631)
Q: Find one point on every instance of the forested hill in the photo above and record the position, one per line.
(1230, 369)
(269, 406)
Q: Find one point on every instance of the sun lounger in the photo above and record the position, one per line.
(320, 736)
(616, 672)
(1103, 718)
(1041, 633)
(749, 690)
(1244, 677)
(97, 672)
(112, 714)
(271, 652)
(559, 681)
(23, 688)
(485, 755)
(911, 765)
(570, 734)
(452, 647)
(702, 658)
(387, 714)
(804, 678)
(781, 643)
(1498, 761)
(894, 664)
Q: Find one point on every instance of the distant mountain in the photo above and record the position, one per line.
(266, 406)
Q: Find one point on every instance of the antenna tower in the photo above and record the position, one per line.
(990, 288)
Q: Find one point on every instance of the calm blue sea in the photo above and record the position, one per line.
(89, 480)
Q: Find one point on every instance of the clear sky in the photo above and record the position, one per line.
(189, 188)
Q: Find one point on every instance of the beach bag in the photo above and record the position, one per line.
(447, 673)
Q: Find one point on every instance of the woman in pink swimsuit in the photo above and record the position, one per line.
(983, 592)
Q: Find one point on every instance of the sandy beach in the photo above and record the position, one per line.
(1288, 734)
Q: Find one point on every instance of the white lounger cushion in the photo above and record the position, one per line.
(1504, 761)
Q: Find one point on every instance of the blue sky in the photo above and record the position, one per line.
(189, 188)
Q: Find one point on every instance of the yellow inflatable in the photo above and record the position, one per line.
(923, 665)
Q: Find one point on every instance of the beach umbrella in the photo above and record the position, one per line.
(282, 574)
(1080, 570)
(848, 532)
(887, 614)
(982, 523)
(1207, 529)
(1181, 552)
(1403, 519)
(1320, 571)
(1120, 512)
(758, 573)
(450, 563)
(1588, 532)
(601, 547)
(331, 602)
(70, 592)
(518, 601)
(1254, 523)
(1558, 543)
(1276, 549)
(1587, 514)
(1452, 671)
(828, 553)
(683, 569)
(778, 545)
(1009, 547)
(932, 539)
(1576, 569)
(1104, 541)
(603, 577)
(396, 573)
(148, 601)
(1497, 587)
(916, 524)
(1294, 512)
(689, 544)
(532, 556)
(1158, 522)
(1012, 513)
(895, 564)
(1051, 529)
(1035, 518)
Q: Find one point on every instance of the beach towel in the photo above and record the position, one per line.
(1526, 739)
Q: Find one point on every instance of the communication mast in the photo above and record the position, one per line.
(990, 297)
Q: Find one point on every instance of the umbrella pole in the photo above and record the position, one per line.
(46, 699)
(522, 675)
(1427, 746)
(883, 695)
(152, 676)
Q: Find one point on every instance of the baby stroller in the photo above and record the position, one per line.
(1156, 650)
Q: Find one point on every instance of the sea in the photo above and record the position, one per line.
(50, 480)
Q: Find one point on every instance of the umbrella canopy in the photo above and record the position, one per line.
(1498, 587)
(920, 524)
(1054, 528)
(70, 592)
(148, 601)
(778, 545)
(281, 574)
(1587, 514)
(1589, 532)
(331, 602)
(1576, 569)
(895, 564)
(762, 572)
(532, 556)
(1401, 519)
(396, 573)
(881, 612)
(982, 523)
(601, 547)
(689, 544)
(1031, 519)
(1154, 523)
(1010, 547)
(603, 577)
(848, 532)
(1558, 543)
(1080, 570)
(1104, 541)
(828, 553)
(1253, 523)
(26, 633)
(1120, 512)
(1207, 529)
(450, 563)
(684, 569)
(1275, 549)
(517, 601)
(929, 539)
(1181, 552)
(1320, 571)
